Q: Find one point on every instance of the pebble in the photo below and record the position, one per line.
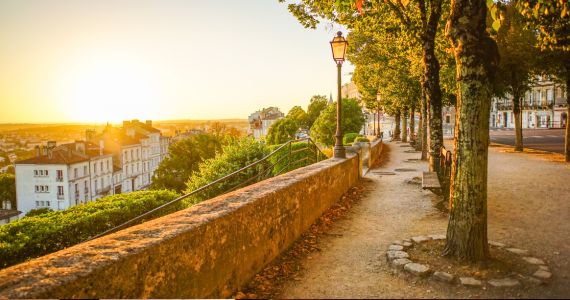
(407, 245)
(542, 274)
(505, 282)
(417, 269)
(390, 255)
(397, 242)
(399, 263)
(544, 268)
(497, 244)
(469, 281)
(437, 237)
(420, 239)
(517, 251)
(533, 260)
(396, 248)
(443, 276)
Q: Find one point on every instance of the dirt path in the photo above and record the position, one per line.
(352, 264)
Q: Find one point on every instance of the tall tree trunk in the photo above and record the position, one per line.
(567, 137)
(412, 124)
(396, 136)
(379, 127)
(419, 140)
(424, 127)
(476, 57)
(433, 90)
(404, 125)
(518, 121)
(374, 122)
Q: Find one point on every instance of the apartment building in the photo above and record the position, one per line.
(117, 160)
(59, 177)
(261, 120)
(543, 106)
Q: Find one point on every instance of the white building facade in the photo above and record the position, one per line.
(543, 106)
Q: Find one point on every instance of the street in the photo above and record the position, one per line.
(540, 139)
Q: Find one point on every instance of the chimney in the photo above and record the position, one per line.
(89, 134)
(80, 147)
(101, 146)
(50, 146)
(38, 151)
(149, 123)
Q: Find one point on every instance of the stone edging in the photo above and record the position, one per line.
(399, 259)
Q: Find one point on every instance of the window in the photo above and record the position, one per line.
(95, 168)
(448, 119)
(86, 188)
(75, 173)
(84, 170)
(37, 203)
(96, 183)
(48, 204)
(101, 166)
(60, 190)
(132, 156)
(59, 175)
(36, 173)
(549, 96)
(107, 165)
(37, 188)
(46, 172)
(512, 118)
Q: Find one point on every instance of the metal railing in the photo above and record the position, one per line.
(287, 157)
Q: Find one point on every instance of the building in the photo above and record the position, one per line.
(117, 160)
(543, 106)
(59, 177)
(350, 90)
(261, 120)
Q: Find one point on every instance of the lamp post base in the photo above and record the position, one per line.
(339, 152)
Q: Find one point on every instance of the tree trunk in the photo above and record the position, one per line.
(396, 136)
(476, 56)
(379, 128)
(518, 121)
(412, 124)
(432, 94)
(374, 123)
(424, 127)
(404, 125)
(567, 137)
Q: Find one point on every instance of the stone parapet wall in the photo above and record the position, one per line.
(208, 250)
(375, 150)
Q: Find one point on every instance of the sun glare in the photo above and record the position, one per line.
(103, 88)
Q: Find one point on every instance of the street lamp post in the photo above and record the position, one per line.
(338, 46)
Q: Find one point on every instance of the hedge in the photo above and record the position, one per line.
(283, 164)
(350, 137)
(39, 235)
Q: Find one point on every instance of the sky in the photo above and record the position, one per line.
(99, 61)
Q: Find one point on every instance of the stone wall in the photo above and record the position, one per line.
(375, 150)
(208, 250)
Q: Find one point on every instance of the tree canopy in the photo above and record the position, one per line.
(324, 128)
(281, 131)
(299, 115)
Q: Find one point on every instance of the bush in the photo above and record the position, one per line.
(361, 139)
(350, 137)
(284, 163)
(39, 235)
(38, 211)
(233, 157)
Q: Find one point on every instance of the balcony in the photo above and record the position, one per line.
(59, 179)
(60, 197)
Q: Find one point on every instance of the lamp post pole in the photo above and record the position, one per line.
(339, 151)
(338, 46)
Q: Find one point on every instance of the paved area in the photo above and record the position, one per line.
(551, 140)
(528, 206)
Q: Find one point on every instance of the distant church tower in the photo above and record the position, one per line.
(330, 99)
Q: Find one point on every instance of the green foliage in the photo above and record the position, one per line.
(316, 105)
(8, 189)
(361, 139)
(281, 131)
(518, 55)
(39, 235)
(551, 18)
(38, 211)
(288, 158)
(324, 128)
(299, 115)
(350, 137)
(232, 158)
(183, 159)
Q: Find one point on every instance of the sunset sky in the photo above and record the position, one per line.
(98, 61)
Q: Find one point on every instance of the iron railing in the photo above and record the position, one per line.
(287, 157)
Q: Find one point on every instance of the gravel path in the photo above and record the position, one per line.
(528, 207)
